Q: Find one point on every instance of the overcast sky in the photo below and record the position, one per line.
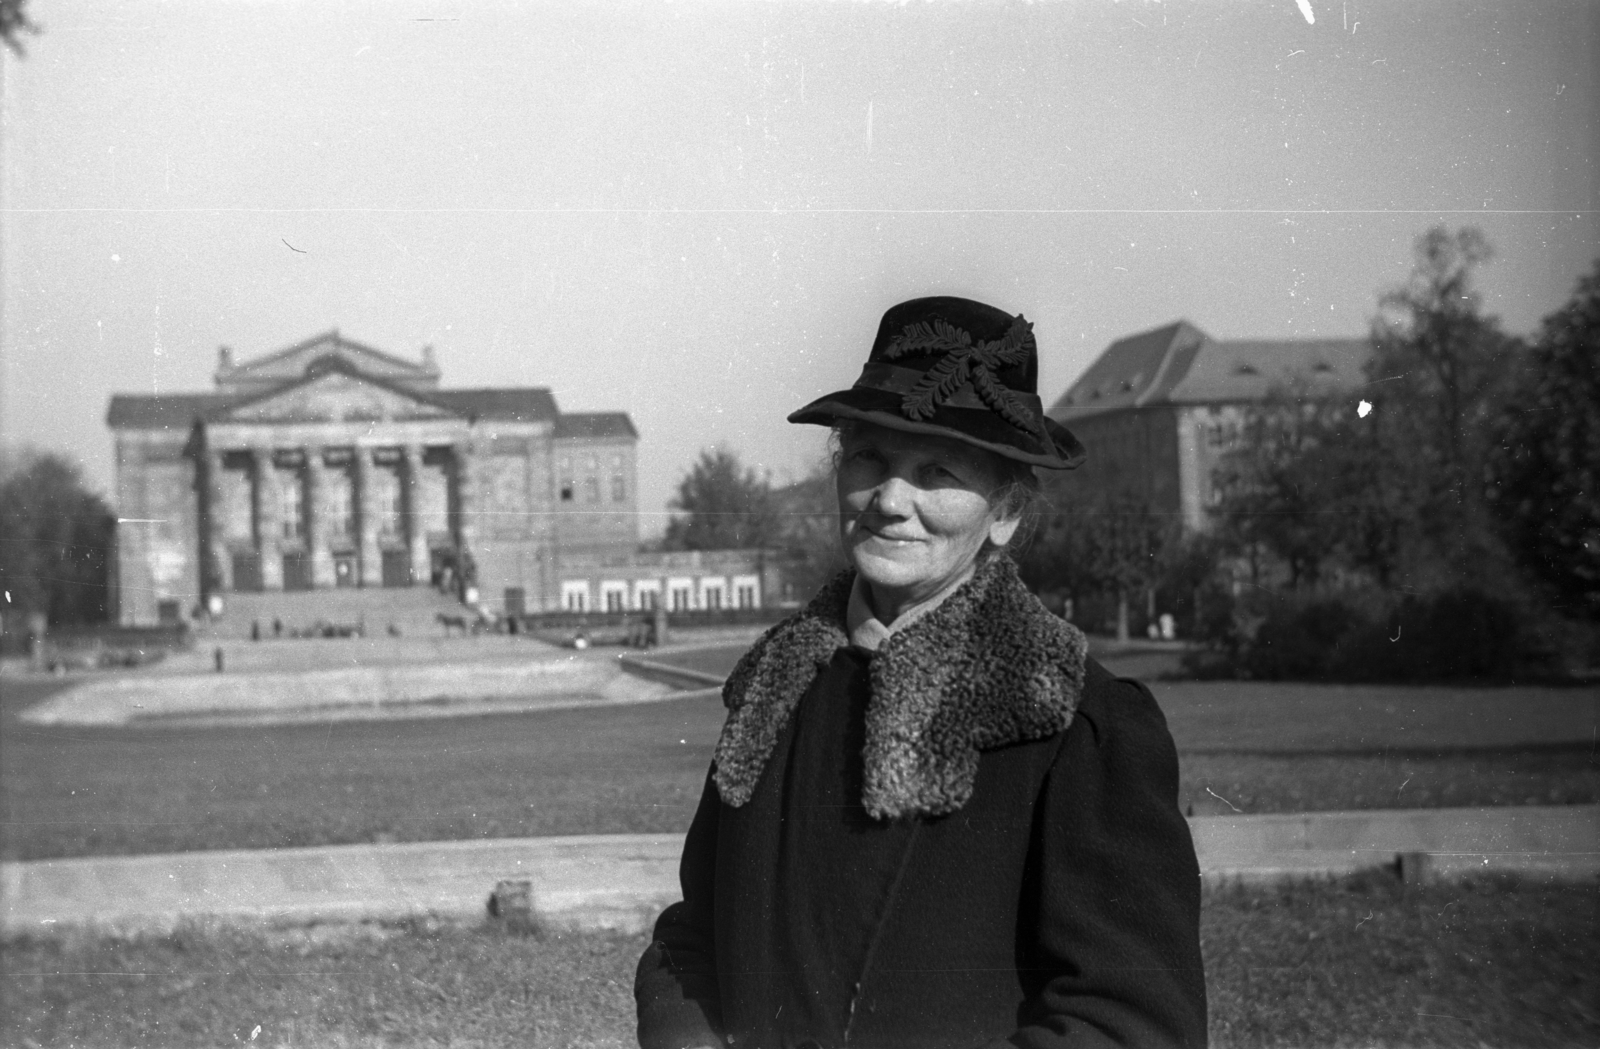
(696, 212)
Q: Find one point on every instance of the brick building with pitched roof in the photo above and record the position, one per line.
(1156, 409)
(331, 465)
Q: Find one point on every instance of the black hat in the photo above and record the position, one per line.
(955, 368)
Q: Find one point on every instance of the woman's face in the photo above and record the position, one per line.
(914, 511)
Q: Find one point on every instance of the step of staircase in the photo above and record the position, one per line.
(412, 611)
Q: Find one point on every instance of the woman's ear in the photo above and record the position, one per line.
(1001, 529)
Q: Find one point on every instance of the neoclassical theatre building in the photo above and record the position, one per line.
(331, 464)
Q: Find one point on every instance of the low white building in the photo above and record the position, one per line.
(678, 581)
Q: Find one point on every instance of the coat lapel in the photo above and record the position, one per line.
(988, 667)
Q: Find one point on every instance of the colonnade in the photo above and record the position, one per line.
(309, 552)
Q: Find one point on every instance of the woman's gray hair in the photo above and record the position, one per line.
(1016, 493)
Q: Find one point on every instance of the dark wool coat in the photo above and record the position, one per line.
(1042, 889)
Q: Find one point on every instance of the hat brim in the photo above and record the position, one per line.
(979, 428)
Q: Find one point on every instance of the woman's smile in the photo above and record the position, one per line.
(914, 513)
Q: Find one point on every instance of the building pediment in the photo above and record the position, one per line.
(291, 363)
(334, 395)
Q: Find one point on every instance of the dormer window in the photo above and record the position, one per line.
(1245, 368)
(1322, 366)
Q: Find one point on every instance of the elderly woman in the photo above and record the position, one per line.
(931, 819)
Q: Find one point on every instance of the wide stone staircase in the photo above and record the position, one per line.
(411, 611)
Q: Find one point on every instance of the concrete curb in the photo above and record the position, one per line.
(621, 881)
(668, 673)
(592, 881)
(348, 693)
(1556, 840)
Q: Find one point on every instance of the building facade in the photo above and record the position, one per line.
(677, 581)
(1156, 410)
(331, 464)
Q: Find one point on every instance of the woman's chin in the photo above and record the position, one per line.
(890, 572)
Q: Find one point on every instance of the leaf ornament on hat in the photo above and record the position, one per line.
(963, 364)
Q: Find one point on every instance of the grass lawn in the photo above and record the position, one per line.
(1277, 717)
(118, 791)
(80, 792)
(1354, 962)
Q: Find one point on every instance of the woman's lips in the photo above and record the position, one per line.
(888, 537)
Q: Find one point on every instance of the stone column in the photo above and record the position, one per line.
(216, 574)
(466, 522)
(267, 503)
(416, 528)
(466, 508)
(316, 520)
(369, 559)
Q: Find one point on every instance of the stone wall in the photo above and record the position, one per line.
(158, 531)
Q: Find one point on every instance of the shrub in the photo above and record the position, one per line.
(1300, 642)
(1456, 634)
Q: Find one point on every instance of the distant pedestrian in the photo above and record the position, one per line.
(277, 628)
(217, 656)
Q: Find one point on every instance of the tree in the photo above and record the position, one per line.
(1114, 544)
(808, 529)
(1438, 372)
(13, 22)
(1272, 484)
(1544, 458)
(55, 541)
(1385, 482)
(1312, 483)
(725, 506)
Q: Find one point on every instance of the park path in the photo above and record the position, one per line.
(621, 881)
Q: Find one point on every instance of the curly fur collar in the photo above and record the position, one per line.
(988, 667)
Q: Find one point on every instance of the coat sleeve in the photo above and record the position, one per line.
(676, 982)
(1115, 887)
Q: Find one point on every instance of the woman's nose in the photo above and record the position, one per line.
(893, 498)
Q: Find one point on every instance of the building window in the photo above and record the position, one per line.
(386, 500)
(614, 595)
(564, 478)
(341, 508)
(233, 511)
(682, 598)
(747, 591)
(575, 595)
(619, 480)
(292, 511)
(649, 600)
(711, 596)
